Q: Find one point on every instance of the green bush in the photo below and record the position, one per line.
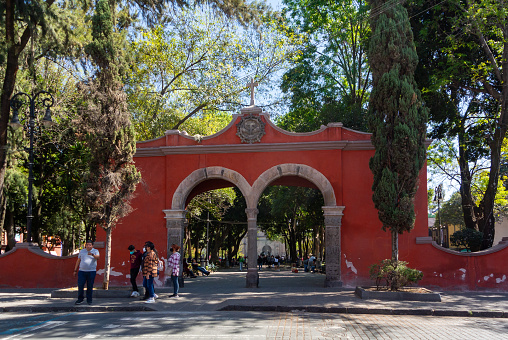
(395, 274)
(466, 238)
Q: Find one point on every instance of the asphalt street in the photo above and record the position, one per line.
(285, 306)
(245, 325)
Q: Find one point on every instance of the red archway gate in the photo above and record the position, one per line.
(252, 153)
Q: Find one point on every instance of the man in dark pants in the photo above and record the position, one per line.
(87, 265)
(135, 260)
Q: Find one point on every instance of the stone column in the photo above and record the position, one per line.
(252, 251)
(333, 221)
(175, 225)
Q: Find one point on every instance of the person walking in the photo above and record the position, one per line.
(241, 260)
(135, 260)
(87, 265)
(174, 267)
(150, 271)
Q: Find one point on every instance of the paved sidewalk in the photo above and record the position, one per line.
(279, 291)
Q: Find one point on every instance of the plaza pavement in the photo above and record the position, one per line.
(278, 291)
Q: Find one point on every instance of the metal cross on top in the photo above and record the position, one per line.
(252, 85)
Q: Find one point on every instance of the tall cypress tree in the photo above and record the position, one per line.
(112, 178)
(397, 118)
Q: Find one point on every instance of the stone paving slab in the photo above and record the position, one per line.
(278, 291)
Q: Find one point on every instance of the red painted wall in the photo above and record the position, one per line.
(30, 267)
(363, 241)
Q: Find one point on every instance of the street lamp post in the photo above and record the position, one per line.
(438, 197)
(47, 101)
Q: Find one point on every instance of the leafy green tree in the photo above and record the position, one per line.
(463, 45)
(59, 30)
(217, 209)
(293, 213)
(197, 66)
(467, 238)
(397, 119)
(450, 212)
(330, 78)
(15, 189)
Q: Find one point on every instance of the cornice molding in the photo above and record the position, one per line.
(257, 147)
(355, 145)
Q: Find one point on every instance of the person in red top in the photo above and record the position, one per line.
(174, 267)
(135, 260)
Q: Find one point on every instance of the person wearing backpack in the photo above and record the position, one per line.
(174, 268)
(150, 271)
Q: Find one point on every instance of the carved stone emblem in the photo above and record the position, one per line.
(250, 129)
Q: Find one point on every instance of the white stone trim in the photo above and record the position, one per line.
(428, 240)
(203, 174)
(300, 170)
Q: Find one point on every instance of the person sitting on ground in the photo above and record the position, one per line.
(306, 264)
(312, 263)
(195, 266)
(186, 269)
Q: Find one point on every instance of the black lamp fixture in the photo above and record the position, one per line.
(46, 100)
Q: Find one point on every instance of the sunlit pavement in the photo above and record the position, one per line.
(278, 291)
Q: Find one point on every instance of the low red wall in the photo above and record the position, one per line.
(28, 266)
(485, 270)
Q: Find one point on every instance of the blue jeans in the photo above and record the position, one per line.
(176, 285)
(241, 266)
(89, 278)
(148, 284)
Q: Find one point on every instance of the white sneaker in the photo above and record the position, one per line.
(134, 294)
(150, 300)
(155, 296)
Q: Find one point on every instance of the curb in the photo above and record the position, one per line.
(358, 310)
(42, 309)
(364, 294)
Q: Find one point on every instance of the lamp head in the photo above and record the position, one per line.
(47, 121)
(15, 120)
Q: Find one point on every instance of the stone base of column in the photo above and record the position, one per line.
(252, 278)
(330, 283)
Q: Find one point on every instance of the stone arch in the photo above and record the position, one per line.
(289, 169)
(203, 174)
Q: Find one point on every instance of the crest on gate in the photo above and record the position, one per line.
(250, 129)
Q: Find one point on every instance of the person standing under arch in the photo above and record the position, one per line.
(174, 267)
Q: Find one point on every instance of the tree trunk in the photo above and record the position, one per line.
(107, 259)
(395, 245)
(3, 208)
(68, 244)
(9, 228)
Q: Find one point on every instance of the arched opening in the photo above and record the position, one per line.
(284, 174)
(216, 225)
